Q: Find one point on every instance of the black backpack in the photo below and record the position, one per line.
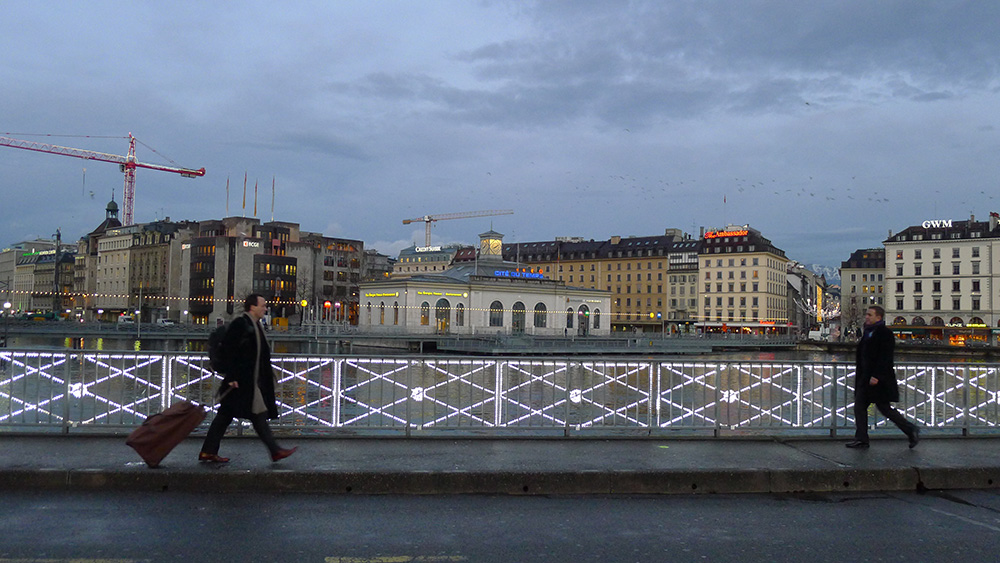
(216, 359)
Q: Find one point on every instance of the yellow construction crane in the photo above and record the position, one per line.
(428, 219)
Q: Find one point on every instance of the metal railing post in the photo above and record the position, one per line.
(966, 381)
(337, 392)
(409, 398)
(566, 395)
(718, 400)
(834, 394)
(66, 393)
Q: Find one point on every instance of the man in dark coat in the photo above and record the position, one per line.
(875, 379)
(247, 389)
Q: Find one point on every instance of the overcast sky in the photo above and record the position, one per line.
(822, 124)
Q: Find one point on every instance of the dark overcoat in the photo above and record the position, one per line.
(874, 359)
(239, 347)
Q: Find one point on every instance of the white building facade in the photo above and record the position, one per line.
(943, 280)
(488, 296)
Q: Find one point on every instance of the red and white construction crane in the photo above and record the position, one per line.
(429, 219)
(127, 163)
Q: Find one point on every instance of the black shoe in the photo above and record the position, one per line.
(856, 444)
(914, 437)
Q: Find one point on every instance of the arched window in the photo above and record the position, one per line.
(569, 318)
(937, 321)
(425, 313)
(583, 320)
(460, 315)
(956, 321)
(597, 318)
(381, 313)
(368, 308)
(496, 313)
(918, 321)
(395, 312)
(899, 321)
(976, 321)
(540, 316)
(442, 314)
(517, 318)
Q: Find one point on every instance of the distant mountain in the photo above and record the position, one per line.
(832, 274)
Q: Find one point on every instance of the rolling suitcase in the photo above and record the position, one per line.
(161, 432)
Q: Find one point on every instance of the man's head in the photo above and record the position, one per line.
(874, 314)
(255, 305)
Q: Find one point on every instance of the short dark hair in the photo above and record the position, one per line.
(251, 300)
(878, 311)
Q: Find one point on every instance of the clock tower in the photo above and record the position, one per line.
(491, 246)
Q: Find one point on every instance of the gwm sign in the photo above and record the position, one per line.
(936, 223)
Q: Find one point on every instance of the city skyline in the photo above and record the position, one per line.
(824, 125)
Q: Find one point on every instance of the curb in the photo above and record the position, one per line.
(750, 481)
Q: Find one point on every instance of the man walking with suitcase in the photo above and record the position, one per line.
(247, 389)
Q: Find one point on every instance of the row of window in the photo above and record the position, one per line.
(276, 269)
(956, 269)
(732, 302)
(442, 314)
(732, 262)
(937, 321)
(754, 287)
(733, 317)
(628, 266)
(939, 236)
(956, 304)
(956, 252)
(956, 286)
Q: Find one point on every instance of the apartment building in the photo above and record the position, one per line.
(744, 283)
(862, 280)
(942, 279)
(329, 271)
(652, 280)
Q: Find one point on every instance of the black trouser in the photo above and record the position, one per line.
(887, 410)
(222, 421)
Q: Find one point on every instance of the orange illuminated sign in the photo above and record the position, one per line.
(718, 234)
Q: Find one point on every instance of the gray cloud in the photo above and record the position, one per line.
(824, 124)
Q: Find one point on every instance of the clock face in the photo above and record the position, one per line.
(495, 246)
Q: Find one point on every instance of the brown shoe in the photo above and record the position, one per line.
(282, 454)
(212, 458)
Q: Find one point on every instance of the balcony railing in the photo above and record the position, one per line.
(335, 395)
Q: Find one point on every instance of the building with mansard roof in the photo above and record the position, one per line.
(652, 280)
(862, 280)
(942, 281)
(744, 283)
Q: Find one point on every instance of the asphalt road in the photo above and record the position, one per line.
(131, 527)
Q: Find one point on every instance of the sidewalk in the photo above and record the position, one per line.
(508, 466)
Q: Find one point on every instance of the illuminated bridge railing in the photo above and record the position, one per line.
(338, 395)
